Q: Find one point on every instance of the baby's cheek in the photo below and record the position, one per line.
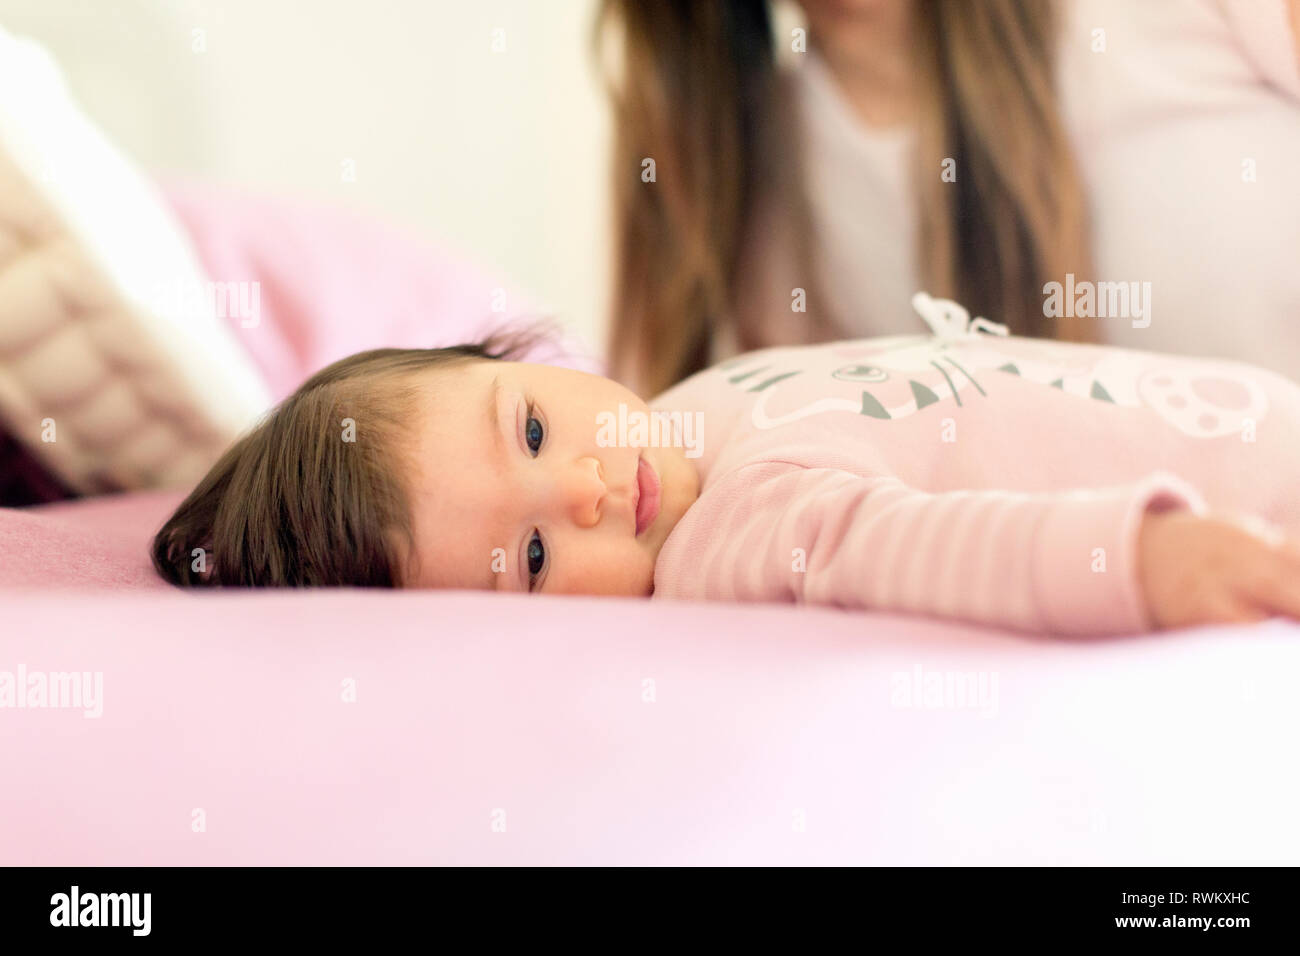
(623, 570)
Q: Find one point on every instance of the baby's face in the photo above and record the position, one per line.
(513, 489)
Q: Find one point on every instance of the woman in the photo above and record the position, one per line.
(1010, 154)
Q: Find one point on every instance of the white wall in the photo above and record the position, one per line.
(503, 155)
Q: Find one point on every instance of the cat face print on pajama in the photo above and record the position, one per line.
(897, 377)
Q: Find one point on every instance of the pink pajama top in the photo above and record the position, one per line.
(968, 474)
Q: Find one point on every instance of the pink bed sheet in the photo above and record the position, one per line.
(87, 543)
(507, 729)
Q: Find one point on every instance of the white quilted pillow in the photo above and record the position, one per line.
(115, 368)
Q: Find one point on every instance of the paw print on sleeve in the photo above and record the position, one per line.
(1203, 403)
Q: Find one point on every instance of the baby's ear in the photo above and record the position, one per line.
(196, 564)
(202, 563)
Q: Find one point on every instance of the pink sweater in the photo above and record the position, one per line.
(970, 475)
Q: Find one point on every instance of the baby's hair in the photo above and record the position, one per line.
(294, 504)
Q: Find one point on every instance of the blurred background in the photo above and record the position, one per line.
(398, 108)
(1145, 145)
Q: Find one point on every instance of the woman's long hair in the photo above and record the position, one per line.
(699, 92)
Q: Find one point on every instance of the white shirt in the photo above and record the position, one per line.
(1187, 98)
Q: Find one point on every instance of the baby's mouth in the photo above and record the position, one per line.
(647, 495)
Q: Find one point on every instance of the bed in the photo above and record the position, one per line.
(374, 727)
(140, 725)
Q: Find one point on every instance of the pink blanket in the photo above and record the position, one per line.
(378, 727)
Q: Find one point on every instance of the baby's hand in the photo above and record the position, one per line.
(1207, 570)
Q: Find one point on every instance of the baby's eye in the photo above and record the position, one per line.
(533, 434)
(536, 558)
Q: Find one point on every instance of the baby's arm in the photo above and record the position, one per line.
(1061, 562)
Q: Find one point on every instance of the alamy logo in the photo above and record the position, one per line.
(54, 690)
(226, 300)
(1102, 300)
(102, 909)
(945, 690)
(637, 429)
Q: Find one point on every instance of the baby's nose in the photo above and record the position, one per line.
(584, 490)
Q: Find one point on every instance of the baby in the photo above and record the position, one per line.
(1022, 483)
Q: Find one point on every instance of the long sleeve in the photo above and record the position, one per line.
(1056, 562)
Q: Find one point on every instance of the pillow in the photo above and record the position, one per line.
(115, 371)
(330, 282)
